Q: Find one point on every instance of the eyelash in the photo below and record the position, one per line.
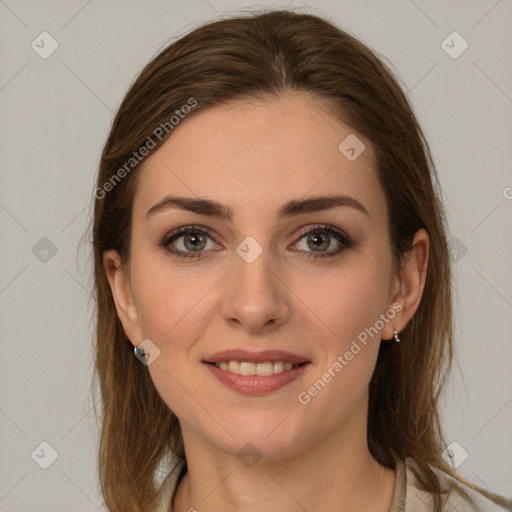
(339, 235)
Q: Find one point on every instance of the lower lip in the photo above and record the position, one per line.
(254, 384)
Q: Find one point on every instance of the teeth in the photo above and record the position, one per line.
(259, 369)
(278, 366)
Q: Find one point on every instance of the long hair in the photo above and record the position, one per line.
(254, 56)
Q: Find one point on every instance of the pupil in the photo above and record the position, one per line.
(318, 240)
(194, 239)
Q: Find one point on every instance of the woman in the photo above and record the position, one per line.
(273, 284)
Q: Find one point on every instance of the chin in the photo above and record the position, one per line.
(259, 435)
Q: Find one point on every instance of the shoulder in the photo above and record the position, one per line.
(461, 498)
(408, 497)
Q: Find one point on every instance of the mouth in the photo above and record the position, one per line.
(256, 373)
(248, 368)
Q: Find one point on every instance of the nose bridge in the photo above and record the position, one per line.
(252, 265)
(255, 294)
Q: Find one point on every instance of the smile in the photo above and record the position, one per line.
(247, 368)
(253, 383)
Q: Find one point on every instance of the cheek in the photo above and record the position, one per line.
(352, 300)
(350, 310)
(170, 298)
(174, 306)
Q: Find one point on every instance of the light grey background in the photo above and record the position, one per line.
(55, 116)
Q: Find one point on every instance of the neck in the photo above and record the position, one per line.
(336, 469)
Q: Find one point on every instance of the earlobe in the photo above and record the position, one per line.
(412, 278)
(120, 288)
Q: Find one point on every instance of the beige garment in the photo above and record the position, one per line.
(406, 496)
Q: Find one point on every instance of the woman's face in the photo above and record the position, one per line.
(257, 281)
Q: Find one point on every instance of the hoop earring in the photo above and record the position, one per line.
(397, 339)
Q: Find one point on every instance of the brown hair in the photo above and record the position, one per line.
(254, 56)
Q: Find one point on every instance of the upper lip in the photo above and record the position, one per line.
(255, 357)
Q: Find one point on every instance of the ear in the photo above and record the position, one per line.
(409, 284)
(120, 286)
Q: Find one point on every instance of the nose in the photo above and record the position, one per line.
(256, 297)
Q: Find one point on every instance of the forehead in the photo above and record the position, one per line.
(258, 154)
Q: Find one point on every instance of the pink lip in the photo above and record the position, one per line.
(254, 384)
(256, 357)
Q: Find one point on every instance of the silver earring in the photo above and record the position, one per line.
(139, 353)
(397, 339)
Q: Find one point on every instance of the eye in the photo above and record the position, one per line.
(188, 241)
(320, 238)
(192, 241)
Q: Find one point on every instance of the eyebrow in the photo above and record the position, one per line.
(291, 208)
